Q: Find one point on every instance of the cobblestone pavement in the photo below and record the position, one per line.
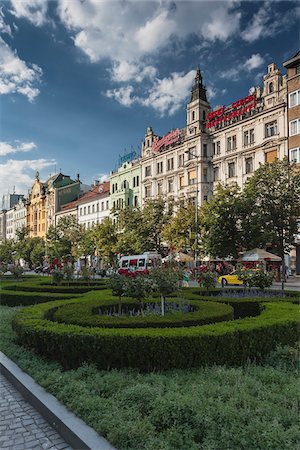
(21, 426)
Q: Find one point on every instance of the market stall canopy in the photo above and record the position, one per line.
(178, 257)
(258, 254)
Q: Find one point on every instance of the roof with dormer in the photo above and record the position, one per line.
(96, 193)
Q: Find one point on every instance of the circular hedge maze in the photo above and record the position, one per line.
(95, 327)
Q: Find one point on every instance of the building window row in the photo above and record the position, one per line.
(93, 208)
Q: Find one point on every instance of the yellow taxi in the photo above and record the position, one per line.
(231, 278)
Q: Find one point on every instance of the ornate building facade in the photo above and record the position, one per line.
(46, 198)
(177, 164)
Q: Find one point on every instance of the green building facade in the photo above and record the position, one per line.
(125, 186)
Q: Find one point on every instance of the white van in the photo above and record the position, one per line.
(139, 263)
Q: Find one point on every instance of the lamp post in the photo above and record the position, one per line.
(197, 158)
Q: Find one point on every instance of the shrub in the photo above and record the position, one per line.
(57, 276)
(85, 274)
(68, 272)
(231, 342)
(164, 281)
(255, 278)
(138, 287)
(16, 271)
(207, 278)
(87, 314)
(29, 298)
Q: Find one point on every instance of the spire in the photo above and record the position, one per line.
(198, 90)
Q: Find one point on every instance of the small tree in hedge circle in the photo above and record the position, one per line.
(165, 282)
(138, 287)
(117, 283)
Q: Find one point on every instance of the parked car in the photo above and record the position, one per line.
(231, 278)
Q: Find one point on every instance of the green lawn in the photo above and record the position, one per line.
(217, 408)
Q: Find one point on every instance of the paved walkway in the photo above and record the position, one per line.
(21, 426)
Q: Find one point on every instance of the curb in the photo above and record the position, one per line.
(72, 429)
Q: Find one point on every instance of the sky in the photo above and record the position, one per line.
(81, 80)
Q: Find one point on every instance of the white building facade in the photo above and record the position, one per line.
(250, 132)
(177, 164)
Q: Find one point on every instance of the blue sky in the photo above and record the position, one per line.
(80, 80)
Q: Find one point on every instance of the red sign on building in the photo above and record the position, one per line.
(168, 139)
(236, 110)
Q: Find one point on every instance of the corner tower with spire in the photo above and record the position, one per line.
(198, 106)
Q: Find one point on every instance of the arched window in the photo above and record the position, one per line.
(271, 88)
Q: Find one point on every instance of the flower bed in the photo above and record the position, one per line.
(87, 314)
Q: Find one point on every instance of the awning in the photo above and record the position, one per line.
(258, 254)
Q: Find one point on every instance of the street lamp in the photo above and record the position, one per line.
(197, 158)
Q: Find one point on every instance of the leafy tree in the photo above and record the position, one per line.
(130, 231)
(180, 231)
(220, 223)
(273, 194)
(165, 282)
(104, 237)
(156, 214)
(23, 245)
(37, 254)
(7, 254)
(63, 241)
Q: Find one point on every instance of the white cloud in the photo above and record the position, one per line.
(20, 174)
(267, 22)
(165, 95)
(155, 32)
(130, 30)
(124, 71)
(6, 148)
(222, 26)
(4, 27)
(254, 62)
(128, 33)
(103, 177)
(16, 76)
(33, 10)
(122, 95)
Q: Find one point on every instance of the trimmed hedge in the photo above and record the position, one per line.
(86, 314)
(29, 298)
(231, 342)
(47, 287)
